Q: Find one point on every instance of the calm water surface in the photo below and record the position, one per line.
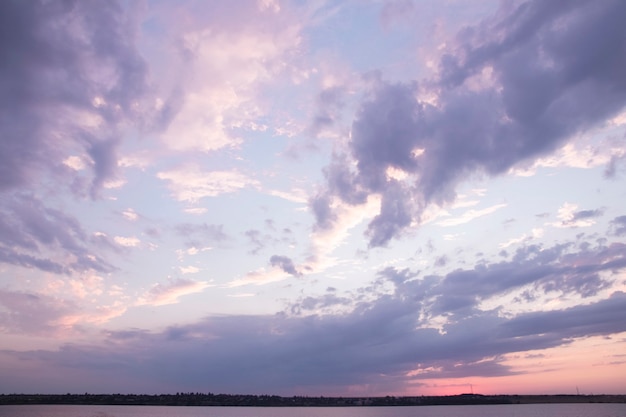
(513, 410)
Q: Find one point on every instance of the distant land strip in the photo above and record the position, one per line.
(199, 399)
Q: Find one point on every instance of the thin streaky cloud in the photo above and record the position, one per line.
(470, 215)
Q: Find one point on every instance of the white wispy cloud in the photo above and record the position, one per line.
(130, 214)
(189, 269)
(570, 216)
(190, 183)
(571, 156)
(536, 233)
(75, 162)
(470, 215)
(295, 195)
(172, 291)
(129, 241)
(261, 276)
(196, 210)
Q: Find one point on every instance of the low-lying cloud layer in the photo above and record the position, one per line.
(391, 335)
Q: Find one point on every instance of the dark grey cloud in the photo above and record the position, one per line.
(286, 264)
(577, 216)
(580, 321)
(70, 77)
(377, 332)
(324, 216)
(329, 103)
(29, 261)
(330, 301)
(256, 239)
(613, 166)
(342, 181)
(398, 277)
(587, 214)
(618, 226)
(198, 235)
(260, 240)
(555, 269)
(319, 354)
(104, 157)
(32, 235)
(396, 213)
(312, 304)
(441, 261)
(555, 73)
(60, 64)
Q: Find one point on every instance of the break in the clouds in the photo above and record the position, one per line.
(312, 198)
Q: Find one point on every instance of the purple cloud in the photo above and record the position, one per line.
(389, 334)
(260, 240)
(316, 354)
(618, 226)
(286, 264)
(199, 235)
(71, 78)
(554, 72)
(74, 75)
(30, 229)
(554, 269)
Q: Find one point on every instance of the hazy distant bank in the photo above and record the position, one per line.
(199, 399)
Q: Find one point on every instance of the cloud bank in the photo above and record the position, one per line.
(391, 335)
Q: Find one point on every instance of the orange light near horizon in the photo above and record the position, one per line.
(593, 365)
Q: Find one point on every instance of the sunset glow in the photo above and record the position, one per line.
(363, 198)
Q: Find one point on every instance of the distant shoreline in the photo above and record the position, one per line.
(216, 400)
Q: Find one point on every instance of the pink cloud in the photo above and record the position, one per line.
(170, 293)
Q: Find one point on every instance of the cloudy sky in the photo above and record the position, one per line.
(313, 197)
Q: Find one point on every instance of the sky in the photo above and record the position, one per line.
(338, 198)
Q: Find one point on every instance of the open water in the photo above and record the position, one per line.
(512, 410)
